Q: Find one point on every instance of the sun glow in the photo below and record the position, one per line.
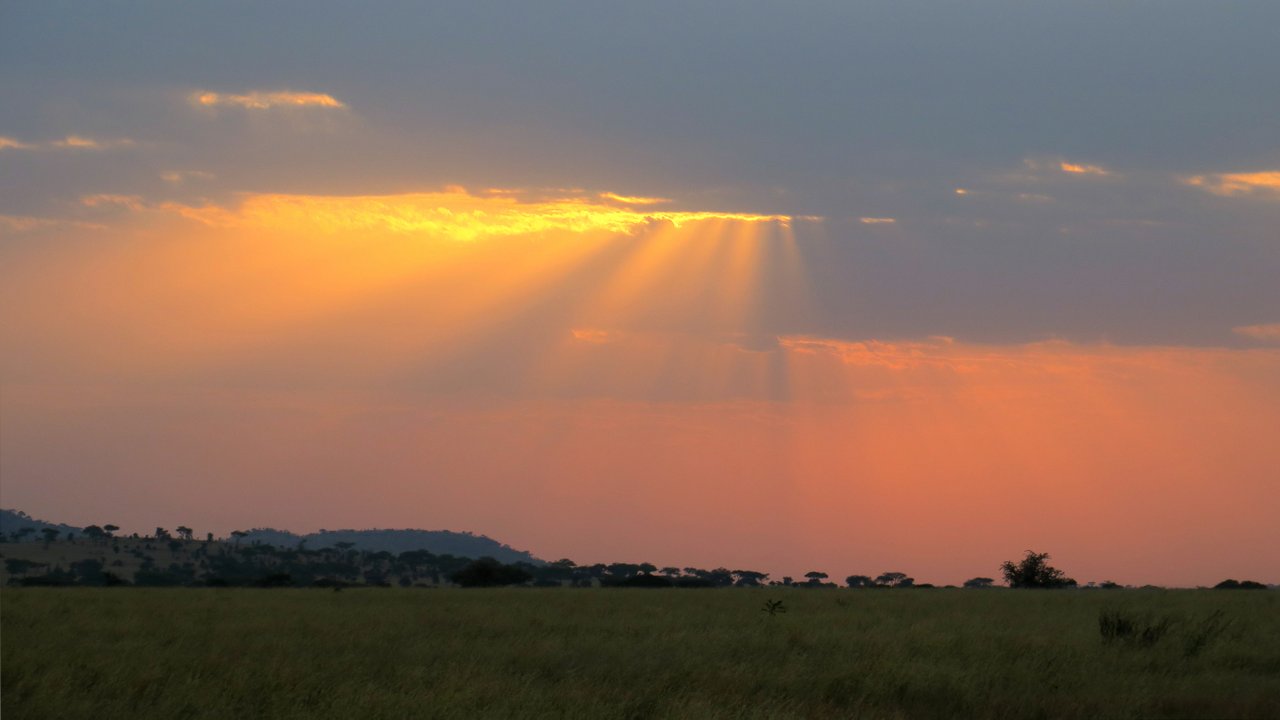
(275, 270)
(454, 213)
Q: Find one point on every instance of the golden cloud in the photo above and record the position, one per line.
(1266, 182)
(453, 212)
(180, 176)
(8, 143)
(877, 220)
(1041, 167)
(1266, 333)
(932, 352)
(70, 142)
(1082, 169)
(28, 223)
(633, 199)
(129, 202)
(266, 100)
(594, 336)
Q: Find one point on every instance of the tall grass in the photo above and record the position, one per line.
(187, 653)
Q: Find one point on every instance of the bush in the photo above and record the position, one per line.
(1115, 626)
(1239, 585)
(487, 572)
(274, 580)
(147, 577)
(1033, 571)
(644, 580)
(1203, 633)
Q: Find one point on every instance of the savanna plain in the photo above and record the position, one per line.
(635, 653)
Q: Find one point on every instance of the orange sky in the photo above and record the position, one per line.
(588, 374)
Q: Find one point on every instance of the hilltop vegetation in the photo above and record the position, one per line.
(17, 525)
(16, 522)
(439, 542)
(46, 554)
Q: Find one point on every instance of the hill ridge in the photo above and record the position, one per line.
(462, 543)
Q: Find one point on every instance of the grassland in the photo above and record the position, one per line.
(528, 653)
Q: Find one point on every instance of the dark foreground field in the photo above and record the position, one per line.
(371, 653)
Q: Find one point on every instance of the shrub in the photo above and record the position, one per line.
(1034, 571)
(644, 580)
(487, 572)
(1115, 626)
(1239, 585)
(1203, 633)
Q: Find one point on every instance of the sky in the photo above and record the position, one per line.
(842, 286)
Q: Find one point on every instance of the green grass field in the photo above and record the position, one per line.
(384, 653)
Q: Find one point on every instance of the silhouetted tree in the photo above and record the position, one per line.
(1034, 571)
(487, 572)
(979, 583)
(558, 572)
(750, 578)
(1239, 585)
(815, 577)
(623, 570)
(644, 580)
(859, 581)
(162, 534)
(18, 566)
(720, 577)
(50, 534)
(184, 532)
(894, 579)
(110, 529)
(88, 571)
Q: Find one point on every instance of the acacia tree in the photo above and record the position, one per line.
(978, 583)
(184, 532)
(750, 578)
(894, 579)
(1034, 571)
(859, 581)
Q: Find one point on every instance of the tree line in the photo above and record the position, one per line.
(177, 558)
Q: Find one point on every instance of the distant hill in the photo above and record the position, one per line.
(438, 542)
(13, 521)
